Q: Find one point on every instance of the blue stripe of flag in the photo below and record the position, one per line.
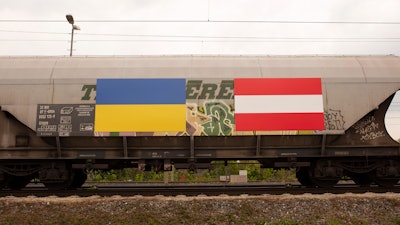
(141, 91)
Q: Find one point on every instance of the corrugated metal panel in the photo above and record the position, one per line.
(26, 70)
(224, 67)
(75, 70)
(331, 69)
(381, 70)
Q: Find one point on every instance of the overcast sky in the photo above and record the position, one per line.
(202, 27)
(279, 27)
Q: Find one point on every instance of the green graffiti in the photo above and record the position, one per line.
(192, 89)
(88, 89)
(197, 89)
(226, 90)
(221, 119)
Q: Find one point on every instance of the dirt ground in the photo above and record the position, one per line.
(270, 209)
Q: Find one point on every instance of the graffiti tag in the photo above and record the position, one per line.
(334, 120)
(368, 128)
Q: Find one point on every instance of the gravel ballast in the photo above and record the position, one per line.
(271, 209)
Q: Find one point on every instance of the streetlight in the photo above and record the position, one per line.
(74, 27)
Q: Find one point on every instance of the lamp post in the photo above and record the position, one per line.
(74, 27)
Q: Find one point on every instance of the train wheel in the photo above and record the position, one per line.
(386, 182)
(325, 174)
(387, 174)
(75, 179)
(79, 178)
(16, 182)
(362, 179)
(303, 176)
(56, 178)
(2, 180)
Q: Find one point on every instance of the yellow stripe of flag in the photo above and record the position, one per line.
(140, 118)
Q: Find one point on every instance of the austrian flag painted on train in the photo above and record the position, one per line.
(140, 105)
(263, 104)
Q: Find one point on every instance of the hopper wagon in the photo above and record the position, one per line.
(326, 116)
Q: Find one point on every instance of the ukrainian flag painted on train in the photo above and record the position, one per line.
(140, 105)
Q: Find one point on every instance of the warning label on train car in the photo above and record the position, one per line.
(65, 120)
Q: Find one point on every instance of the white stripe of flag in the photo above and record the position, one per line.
(278, 103)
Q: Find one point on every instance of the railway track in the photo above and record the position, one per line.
(107, 190)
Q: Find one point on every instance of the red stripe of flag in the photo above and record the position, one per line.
(279, 121)
(277, 86)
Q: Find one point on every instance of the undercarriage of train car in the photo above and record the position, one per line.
(365, 152)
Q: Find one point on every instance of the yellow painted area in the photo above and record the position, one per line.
(140, 118)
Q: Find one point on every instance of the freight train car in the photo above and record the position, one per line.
(325, 116)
